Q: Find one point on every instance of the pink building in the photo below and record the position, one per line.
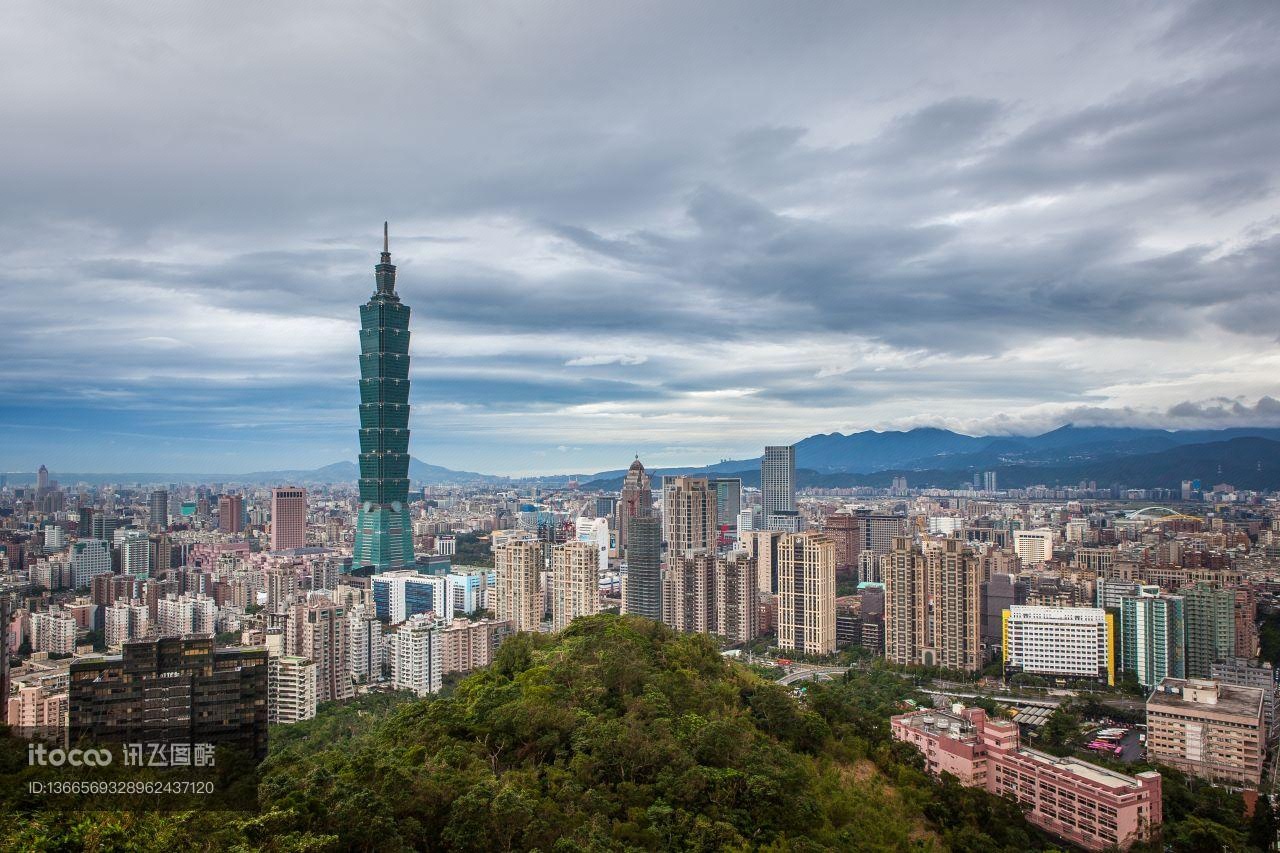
(288, 518)
(206, 554)
(1079, 802)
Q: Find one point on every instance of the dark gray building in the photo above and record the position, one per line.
(644, 566)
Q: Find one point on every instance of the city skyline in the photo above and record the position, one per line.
(701, 241)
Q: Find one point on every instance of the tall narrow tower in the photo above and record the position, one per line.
(384, 536)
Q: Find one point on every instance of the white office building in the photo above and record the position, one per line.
(1062, 642)
(397, 595)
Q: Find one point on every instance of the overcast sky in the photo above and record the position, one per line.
(683, 230)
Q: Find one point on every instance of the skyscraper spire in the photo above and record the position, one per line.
(385, 270)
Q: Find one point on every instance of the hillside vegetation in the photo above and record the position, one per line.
(617, 734)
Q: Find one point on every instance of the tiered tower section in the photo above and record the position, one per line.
(384, 535)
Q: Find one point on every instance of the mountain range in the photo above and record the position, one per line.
(1248, 458)
(1137, 457)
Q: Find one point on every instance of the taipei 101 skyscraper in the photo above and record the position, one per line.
(384, 535)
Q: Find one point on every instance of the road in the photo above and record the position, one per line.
(1048, 698)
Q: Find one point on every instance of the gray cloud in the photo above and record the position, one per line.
(641, 227)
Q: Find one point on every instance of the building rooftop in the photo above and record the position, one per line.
(1200, 695)
(1083, 769)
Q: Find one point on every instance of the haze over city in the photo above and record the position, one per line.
(684, 232)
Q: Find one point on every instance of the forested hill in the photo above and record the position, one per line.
(615, 735)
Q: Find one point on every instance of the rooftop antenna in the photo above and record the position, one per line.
(385, 241)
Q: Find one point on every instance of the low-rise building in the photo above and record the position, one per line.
(1087, 805)
(1208, 729)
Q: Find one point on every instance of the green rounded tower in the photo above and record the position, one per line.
(384, 534)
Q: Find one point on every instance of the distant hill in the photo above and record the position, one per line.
(935, 450)
(1246, 463)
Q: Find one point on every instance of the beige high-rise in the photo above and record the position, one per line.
(807, 593)
(688, 593)
(575, 582)
(518, 563)
(737, 615)
(933, 612)
(763, 546)
(688, 515)
(705, 594)
(317, 629)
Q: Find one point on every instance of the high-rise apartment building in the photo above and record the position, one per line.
(158, 506)
(708, 594)
(181, 689)
(688, 514)
(642, 595)
(1211, 627)
(778, 488)
(1033, 546)
(807, 593)
(468, 645)
(384, 532)
(1153, 640)
(291, 689)
(367, 644)
(89, 558)
(125, 621)
(1245, 616)
(933, 605)
(728, 501)
(859, 532)
(53, 632)
(737, 610)
(231, 513)
(517, 596)
(575, 583)
(317, 629)
(763, 546)
(135, 554)
(416, 650)
(288, 518)
(179, 615)
(689, 593)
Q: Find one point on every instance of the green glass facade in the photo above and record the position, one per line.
(384, 535)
